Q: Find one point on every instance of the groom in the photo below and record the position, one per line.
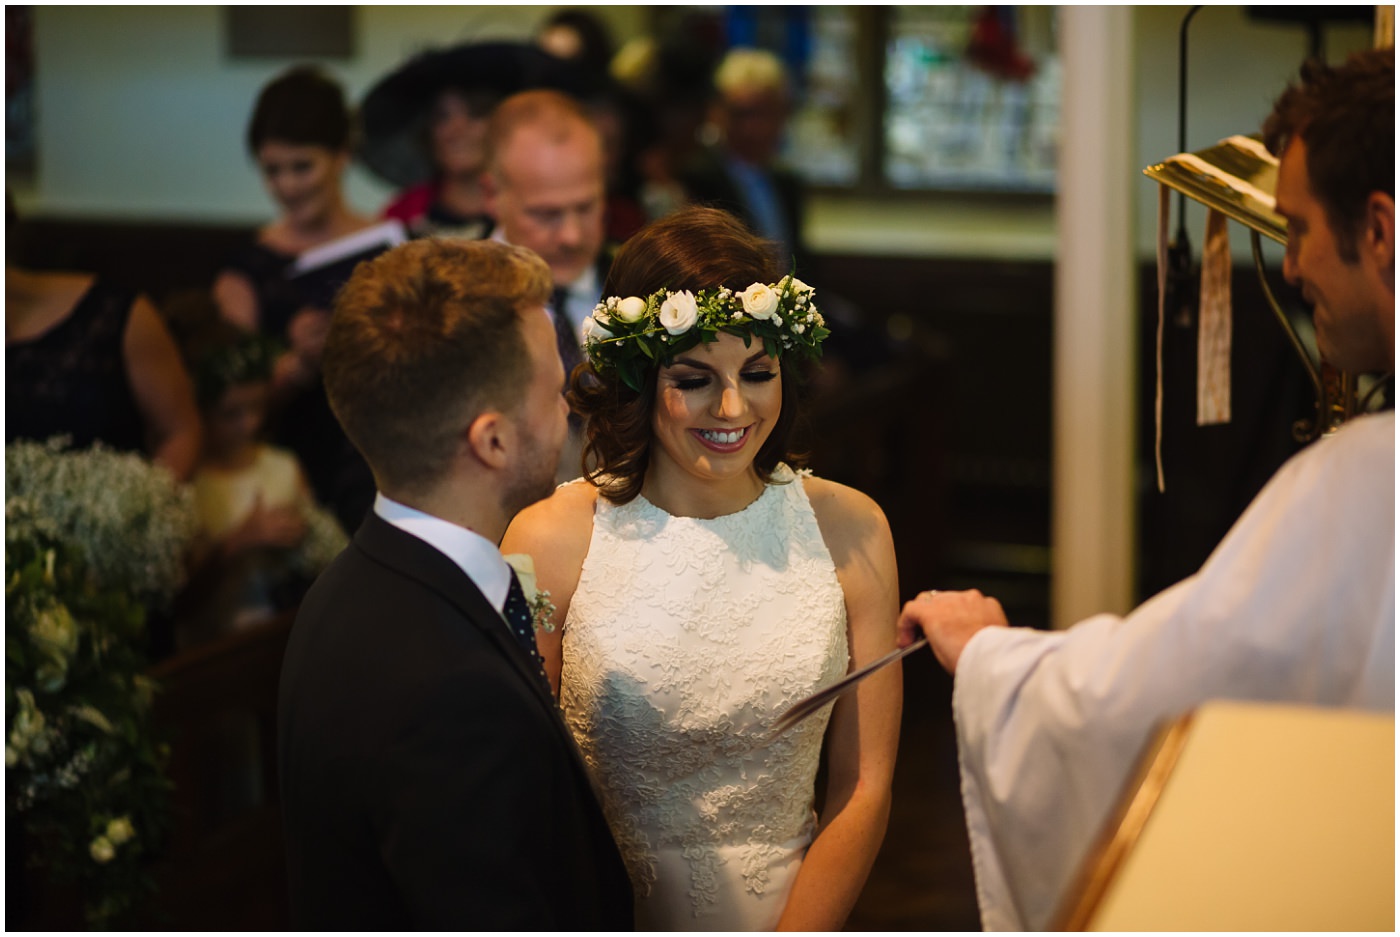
(427, 779)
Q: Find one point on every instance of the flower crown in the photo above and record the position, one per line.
(629, 335)
(245, 360)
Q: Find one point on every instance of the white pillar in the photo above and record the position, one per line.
(1093, 518)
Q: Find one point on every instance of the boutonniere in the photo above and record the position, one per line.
(541, 608)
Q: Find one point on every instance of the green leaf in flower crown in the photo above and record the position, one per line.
(771, 347)
(627, 370)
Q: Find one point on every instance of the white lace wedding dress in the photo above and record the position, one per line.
(685, 638)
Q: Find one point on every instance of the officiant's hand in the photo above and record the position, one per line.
(948, 620)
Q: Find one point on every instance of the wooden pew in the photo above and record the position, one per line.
(224, 867)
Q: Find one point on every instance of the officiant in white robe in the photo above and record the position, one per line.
(1297, 603)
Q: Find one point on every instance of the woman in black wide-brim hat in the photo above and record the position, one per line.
(425, 127)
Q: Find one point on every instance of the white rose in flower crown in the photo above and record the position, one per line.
(594, 330)
(760, 302)
(679, 313)
(631, 309)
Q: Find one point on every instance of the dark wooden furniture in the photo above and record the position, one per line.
(224, 867)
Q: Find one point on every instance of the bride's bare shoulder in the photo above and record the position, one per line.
(839, 503)
(849, 519)
(563, 520)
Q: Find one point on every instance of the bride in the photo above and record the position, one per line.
(701, 586)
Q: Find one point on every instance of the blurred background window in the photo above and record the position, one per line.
(899, 98)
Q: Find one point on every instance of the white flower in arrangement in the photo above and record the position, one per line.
(129, 520)
(679, 312)
(120, 830)
(761, 302)
(102, 850)
(28, 723)
(631, 309)
(55, 630)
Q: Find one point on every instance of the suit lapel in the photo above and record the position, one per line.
(417, 560)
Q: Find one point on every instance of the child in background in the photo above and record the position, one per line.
(262, 537)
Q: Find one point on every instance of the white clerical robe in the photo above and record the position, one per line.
(1296, 604)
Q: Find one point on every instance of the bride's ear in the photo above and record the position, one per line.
(489, 439)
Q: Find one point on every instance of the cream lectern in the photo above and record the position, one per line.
(1250, 817)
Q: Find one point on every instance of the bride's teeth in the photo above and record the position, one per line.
(721, 437)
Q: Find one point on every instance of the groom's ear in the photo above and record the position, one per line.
(489, 439)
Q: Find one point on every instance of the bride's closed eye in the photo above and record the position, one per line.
(698, 381)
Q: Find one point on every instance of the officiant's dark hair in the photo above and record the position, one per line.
(304, 107)
(692, 249)
(424, 338)
(1345, 115)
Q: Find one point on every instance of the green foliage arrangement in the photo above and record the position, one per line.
(93, 539)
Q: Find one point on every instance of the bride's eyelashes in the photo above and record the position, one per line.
(751, 377)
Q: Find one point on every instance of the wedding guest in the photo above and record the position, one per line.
(452, 201)
(701, 585)
(93, 361)
(425, 127)
(546, 189)
(300, 135)
(583, 40)
(262, 538)
(739, 170)
(428, 781)
(1050, 724)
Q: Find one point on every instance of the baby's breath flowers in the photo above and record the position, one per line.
(93, 539)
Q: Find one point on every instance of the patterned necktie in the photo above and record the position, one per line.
(564, 335)
(522, 625)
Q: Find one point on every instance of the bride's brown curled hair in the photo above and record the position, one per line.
(691, 249)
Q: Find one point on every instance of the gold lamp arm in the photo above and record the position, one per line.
(1335, 390)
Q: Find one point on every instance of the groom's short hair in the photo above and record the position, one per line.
(424, 338)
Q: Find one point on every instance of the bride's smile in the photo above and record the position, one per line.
(724, 440)
(716, 406)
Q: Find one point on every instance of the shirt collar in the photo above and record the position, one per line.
(476, 556)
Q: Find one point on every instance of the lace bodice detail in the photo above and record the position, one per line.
(685, 638)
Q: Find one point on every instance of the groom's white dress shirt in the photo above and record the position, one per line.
(474, 554)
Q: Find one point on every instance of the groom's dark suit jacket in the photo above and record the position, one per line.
(427, 778)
